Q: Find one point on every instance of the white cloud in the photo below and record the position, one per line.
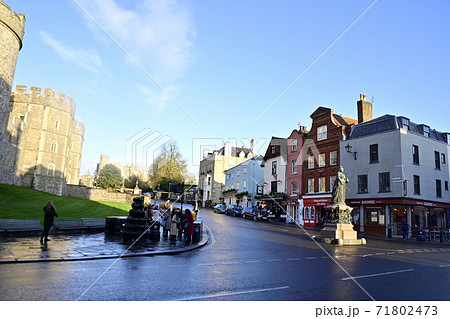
(80, 57)
(158, 33)
(155, 98)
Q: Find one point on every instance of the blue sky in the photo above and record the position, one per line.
(223, 63)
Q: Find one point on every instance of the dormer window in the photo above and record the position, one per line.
(405, 124)
(272, 149)
(426, 131)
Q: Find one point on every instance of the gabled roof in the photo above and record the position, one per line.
(344, 121)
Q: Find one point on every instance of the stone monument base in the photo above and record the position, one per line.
(341, 234)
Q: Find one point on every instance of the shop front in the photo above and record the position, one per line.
(381, 216)
(294, 214)
(275, 204)
(314, 209)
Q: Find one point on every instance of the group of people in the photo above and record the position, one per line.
(174, 221)
(177, 223)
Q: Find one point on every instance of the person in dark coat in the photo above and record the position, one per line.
(167, 217)
(405, 228)
(49, 217)
(190, 228)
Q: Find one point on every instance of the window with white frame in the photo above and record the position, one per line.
(321, 184)
(245, 183)
(274, 168)
(311, 161)
(294, 146)
(310, 185)
(333, 158)
(322, 133)
(238, 173)
(294, 167)
(237, 186)
(294, 188)
(322, 160)
(245, 170)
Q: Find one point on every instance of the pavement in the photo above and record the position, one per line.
(412, 240)
(71, 247)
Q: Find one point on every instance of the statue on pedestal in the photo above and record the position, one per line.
(338, 212)
(338, 227)
(338, 194)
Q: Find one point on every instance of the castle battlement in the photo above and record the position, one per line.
(78, 129)
(14, 21)
(48, 98)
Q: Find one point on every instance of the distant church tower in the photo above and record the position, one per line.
(12, 26)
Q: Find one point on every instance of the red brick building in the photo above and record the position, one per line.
(294, 175)
(321, 162)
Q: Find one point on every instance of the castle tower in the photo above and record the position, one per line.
(77, 137)
(12, 26)
(48, 138)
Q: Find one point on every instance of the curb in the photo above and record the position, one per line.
(200, 244)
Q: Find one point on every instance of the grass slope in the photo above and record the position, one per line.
(24, 203)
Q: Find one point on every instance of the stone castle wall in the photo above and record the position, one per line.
(48, 138)
(97, 194)
(12, 26)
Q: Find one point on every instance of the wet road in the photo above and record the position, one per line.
(245, 260)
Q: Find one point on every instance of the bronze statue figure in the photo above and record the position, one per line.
(338, 194)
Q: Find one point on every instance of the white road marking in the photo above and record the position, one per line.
(291, 259)
(275, 259)
(311, 258)
(206, 264)
(222, 294)
(379, 274)
(442, 266)
(252, 261)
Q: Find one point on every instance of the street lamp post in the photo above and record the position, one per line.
(182, 195)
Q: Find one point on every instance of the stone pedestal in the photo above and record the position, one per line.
(338, 229)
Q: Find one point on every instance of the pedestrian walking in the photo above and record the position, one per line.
(49, 217)
(173, 228)
(405, 228)
(190, 226)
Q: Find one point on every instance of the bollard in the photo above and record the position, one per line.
(389, 233)
(441, 236)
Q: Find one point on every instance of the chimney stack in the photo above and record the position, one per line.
(252, 146)
(227, 150)
(364, 109)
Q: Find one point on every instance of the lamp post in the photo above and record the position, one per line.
(348, 148)
(182, 195)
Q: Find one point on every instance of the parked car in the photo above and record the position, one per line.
(234, 210)
(219, 209)
(256, 214)
(264, 215)
(249, 212)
